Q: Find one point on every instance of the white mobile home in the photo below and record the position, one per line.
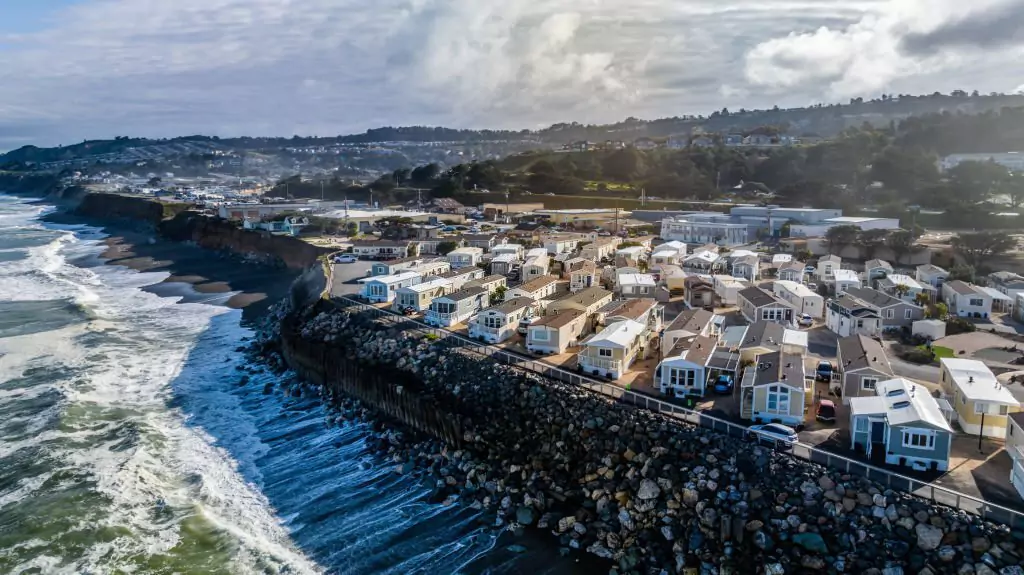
(465, 257)
(418, 297)
(803, 299)
(456, 307)
(498, 323)
(382, 288)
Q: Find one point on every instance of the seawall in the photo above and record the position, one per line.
(644, 491)
(177, 222)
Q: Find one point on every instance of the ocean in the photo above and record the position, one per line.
(128, 444)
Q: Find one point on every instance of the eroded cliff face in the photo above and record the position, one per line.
(217, 234)
(175, 222)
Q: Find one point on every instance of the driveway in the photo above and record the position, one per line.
(822, 342)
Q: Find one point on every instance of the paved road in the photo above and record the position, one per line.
(900, 368)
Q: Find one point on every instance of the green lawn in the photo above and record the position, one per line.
(940, 352)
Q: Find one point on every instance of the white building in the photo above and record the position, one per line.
(536, 289)
(827, 266)
(504, 264)
(845, 279)
(456, 307)
(803, 299)
(966, 300)
(465, 257)
(382, 289)
(705, 228)
(901, 286)
(535, 267)
(507, 248)
(498, 323)
(418, 297)
(931, 275)
(637, 285)
(1010, 160)
(1015, 448)
(669, 253)
(611, 351)
(819, 230)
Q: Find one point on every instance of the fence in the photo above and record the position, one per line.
(938, 494)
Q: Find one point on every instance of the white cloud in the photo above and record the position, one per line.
(870, 54)
(277, 67)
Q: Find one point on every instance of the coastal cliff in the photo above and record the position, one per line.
(176, 222)
(647, 493)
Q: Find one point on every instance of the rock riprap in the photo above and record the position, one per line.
(651, 494)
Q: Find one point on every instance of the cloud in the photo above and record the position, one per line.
(100, 68)
(899, 39)
(1000, 26)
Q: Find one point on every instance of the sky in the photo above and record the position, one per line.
(88, 69)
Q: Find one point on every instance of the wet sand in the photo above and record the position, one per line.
(196, 274)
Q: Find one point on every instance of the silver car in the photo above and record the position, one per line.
(774, 434)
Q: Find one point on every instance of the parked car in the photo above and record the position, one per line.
(805, 320)
(346, 259)
(723, 385)
(824, 371)
(812, 286)
(775, 434)
(810, 269)
(826, 411)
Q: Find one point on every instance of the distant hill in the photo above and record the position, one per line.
(819, 120)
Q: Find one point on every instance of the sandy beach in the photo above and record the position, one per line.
(196, 274)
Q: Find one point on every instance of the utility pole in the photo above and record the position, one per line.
(981, 432)
(507, 204)
(321, 190)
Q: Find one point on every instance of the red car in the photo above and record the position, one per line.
(826, 411)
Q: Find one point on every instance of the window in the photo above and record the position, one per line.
(861, 425)
(493, 321)
(539, 334)
(890, 314)
(604, 352)
(1003, 410)
(868, 383)
(683, 377)
(907, 313)
(919, 439)
(778, 399)
(980, 407)
(976, 302)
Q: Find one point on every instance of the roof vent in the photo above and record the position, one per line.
(970, 379)
(783, 377)
(901, 404)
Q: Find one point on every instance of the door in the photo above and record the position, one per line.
(877, 447)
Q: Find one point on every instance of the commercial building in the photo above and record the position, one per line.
(820, 229)
(1010, 160)
(704, 228)
(586, 218)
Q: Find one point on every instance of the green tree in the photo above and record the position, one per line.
(964, 273)
(543, 167)
(498, 295)
(803, 255)
(623, 165)
(922, 299)
(155, 182)
(870, 240)
(980, 246)
(901, 242)
(976, 181)
(444, 248)
(901, 290)
(424, 175)
(1013, 188)
(938, 311)
(839, 237)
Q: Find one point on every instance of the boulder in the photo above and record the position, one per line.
(928, 536)
(648, 490)
(811, 542)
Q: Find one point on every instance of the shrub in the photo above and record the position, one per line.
(959, 325)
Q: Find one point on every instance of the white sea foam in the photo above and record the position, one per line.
(121, 421)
